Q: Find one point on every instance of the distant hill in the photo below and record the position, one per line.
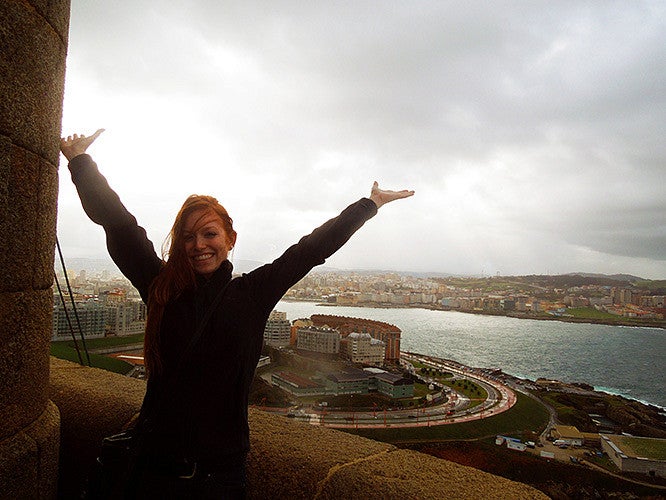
(96, 266)
(370, 272)
(616, 277)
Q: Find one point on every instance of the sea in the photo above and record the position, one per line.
(627, 361)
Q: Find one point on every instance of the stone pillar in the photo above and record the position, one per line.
(33, 37)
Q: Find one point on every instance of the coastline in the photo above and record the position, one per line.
(602, 385)
(578, 387)
(621, 321)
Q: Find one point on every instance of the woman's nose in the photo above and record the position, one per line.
(199, 242)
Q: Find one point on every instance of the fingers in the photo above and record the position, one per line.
(97, 133)
(76, 144)
(76, 137)
(70, 138)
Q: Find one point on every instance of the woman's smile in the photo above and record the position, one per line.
(206, 242)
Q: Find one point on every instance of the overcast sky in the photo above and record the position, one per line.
(532, 132)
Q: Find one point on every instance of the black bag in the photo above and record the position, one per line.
(116, 466)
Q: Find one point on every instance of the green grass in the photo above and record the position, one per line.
(66, 350)
(642, 447)
(420, 390)
(107, 341)
(470, 389)
(526, 415)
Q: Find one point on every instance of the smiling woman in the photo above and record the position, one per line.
(204, 330)
(208, 234)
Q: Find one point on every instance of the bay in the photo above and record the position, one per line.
(628, 361)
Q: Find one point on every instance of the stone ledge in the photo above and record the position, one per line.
(287, 459)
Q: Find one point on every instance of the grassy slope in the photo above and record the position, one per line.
(67, 350)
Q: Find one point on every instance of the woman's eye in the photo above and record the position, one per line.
(189, 237)
(211, 234)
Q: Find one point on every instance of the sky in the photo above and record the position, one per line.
(532, 132)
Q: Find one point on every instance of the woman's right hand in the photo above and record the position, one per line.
(76, 145)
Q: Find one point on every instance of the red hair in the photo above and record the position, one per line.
(177, 274)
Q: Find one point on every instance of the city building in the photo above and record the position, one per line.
(356, 381)
(348, 382)
(636, 454)
(297, 385)
(318, 339)
(363, 349)
(125, 318)
(296, 325)
(387, 333)
(567, 434)
(277, 332)
(390, 384)
(90, 316)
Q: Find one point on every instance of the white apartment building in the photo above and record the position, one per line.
(318, 339)
(126, 318)
(362, 348)
(91, 318)
(277, 331)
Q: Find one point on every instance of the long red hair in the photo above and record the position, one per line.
(177, 274)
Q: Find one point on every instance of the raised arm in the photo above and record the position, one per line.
(76, 144)
(126, 241)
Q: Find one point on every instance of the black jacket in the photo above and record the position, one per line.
(204, 410)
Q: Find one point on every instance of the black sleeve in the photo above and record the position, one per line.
(270, 282)
(127, 242)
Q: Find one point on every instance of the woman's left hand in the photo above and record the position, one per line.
(383, 196)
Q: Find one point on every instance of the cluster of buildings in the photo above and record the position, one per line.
(394, 290)
(365, 289)
(361, 341)
(110, 313)
(97, 306)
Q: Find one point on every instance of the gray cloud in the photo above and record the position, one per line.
(532, 132)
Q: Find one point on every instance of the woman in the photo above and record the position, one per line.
(194, 414)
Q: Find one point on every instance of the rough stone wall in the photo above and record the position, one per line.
(33, 41)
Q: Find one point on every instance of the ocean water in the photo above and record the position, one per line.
(620, 360)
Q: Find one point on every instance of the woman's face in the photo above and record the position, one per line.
(207, 244)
